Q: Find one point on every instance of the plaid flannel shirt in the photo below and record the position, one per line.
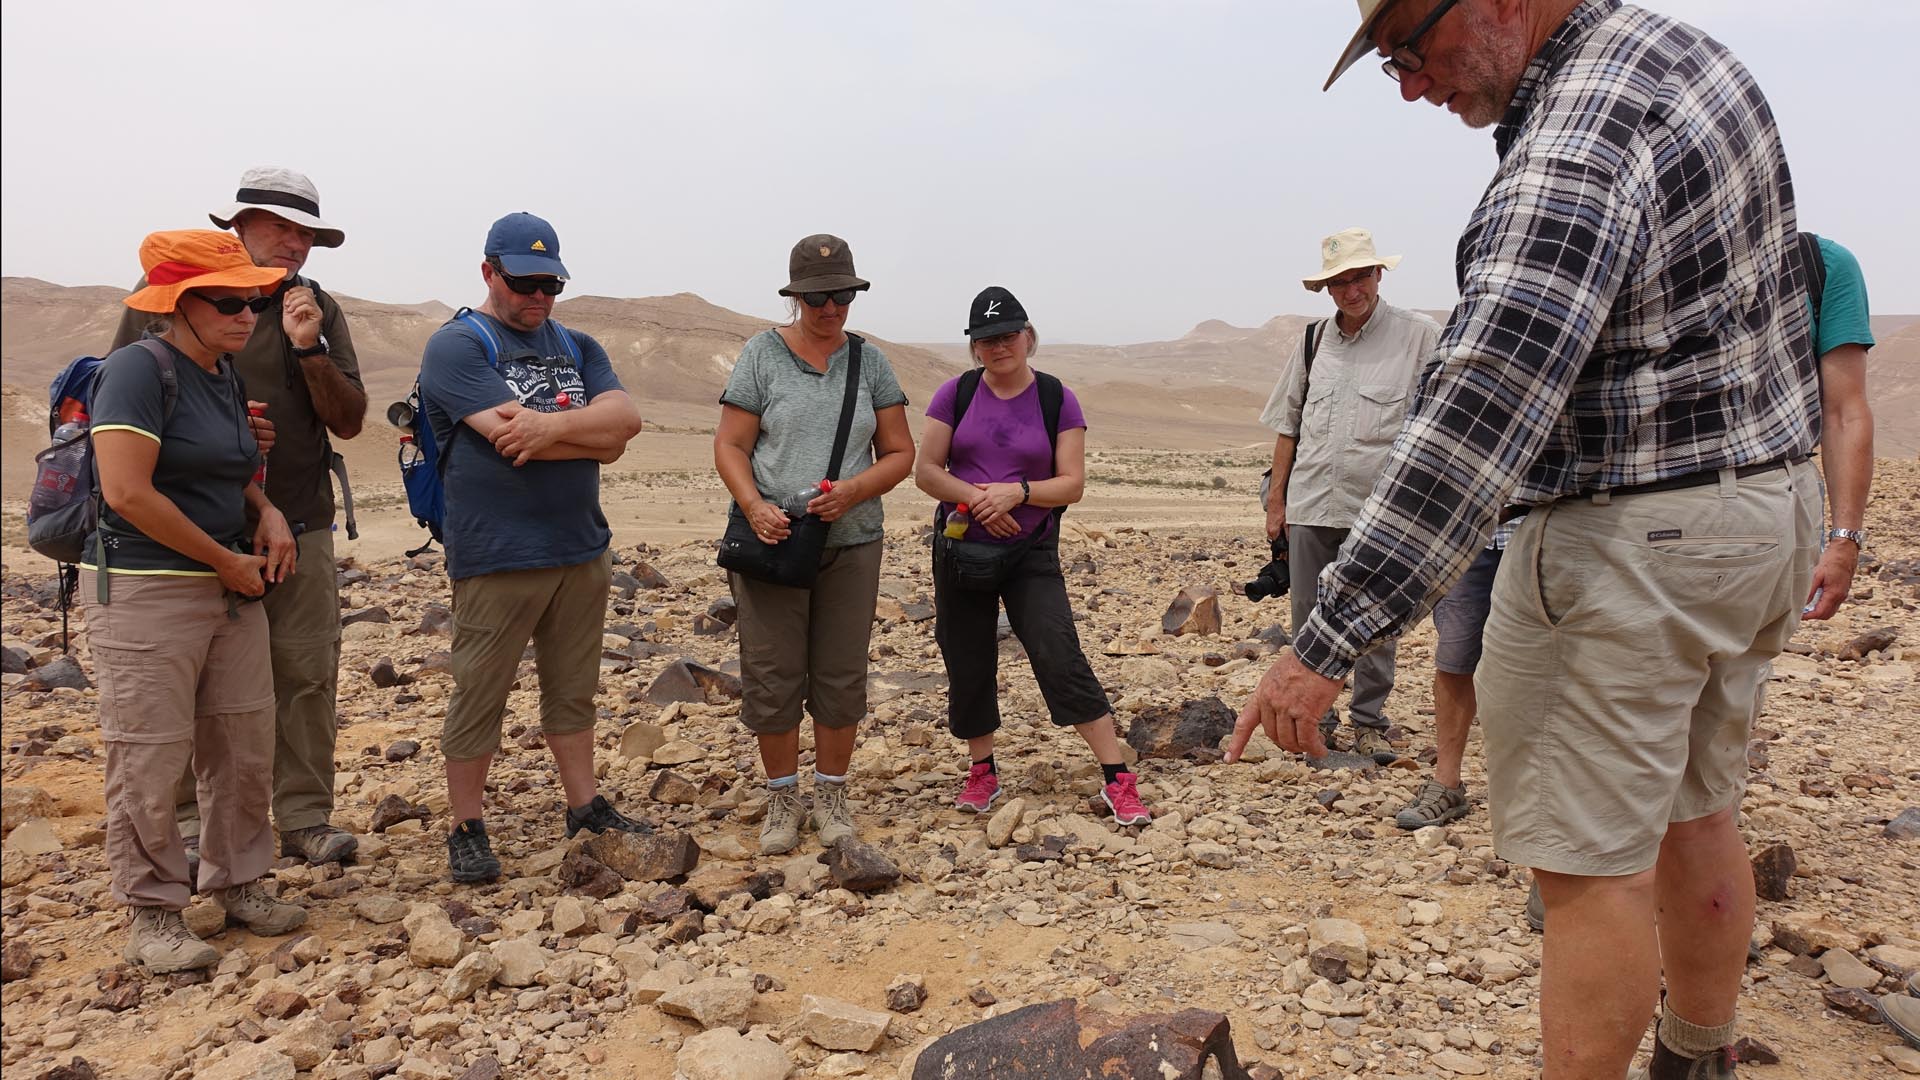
(1629, 311)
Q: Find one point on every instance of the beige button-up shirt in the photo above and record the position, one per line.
(1347, 413)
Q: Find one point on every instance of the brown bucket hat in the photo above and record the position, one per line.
(821, 263)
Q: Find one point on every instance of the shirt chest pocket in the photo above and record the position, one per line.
(1379, 409)
(1316, 416)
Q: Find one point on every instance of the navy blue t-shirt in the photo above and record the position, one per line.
(544, 513)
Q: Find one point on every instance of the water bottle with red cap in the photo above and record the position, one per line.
(797, 505)
(259, 474)
(958, 519)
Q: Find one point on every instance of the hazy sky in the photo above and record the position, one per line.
(1128, 169)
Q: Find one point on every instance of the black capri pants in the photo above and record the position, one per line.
(966, 624)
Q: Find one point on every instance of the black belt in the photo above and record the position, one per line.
(1671, 483)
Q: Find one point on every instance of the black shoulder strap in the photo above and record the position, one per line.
(1053, 397)
(963, 394)
(846, 406)
(1312, 345)
(1814, 268)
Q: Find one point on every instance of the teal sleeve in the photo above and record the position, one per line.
(1844, 318)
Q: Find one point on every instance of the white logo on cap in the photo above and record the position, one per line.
(993, 308)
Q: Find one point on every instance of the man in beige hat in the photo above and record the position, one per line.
(1336, 410)
(1630, 366)
(300, 363)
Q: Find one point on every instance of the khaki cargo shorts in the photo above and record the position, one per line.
(1622, 655)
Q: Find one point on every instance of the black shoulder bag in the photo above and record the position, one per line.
(975, 564)
(795, 561)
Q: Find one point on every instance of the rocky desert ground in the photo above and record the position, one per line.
(1274, 892)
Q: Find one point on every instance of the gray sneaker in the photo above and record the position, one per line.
(250, 906)
(160, 942)
(780, 832)
(832, 817)
(1435, 804)
(319, 844)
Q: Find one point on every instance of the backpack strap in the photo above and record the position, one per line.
(488, 339)
(1813, 267)
(567, 342)
(963, 394)
(1315, 331)
(1053, 397)
(169, 378)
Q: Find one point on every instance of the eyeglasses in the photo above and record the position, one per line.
(1404, 60)
(527, 286)
(234, 305)
(819, 299)
(1348, 281)
(1002, 341)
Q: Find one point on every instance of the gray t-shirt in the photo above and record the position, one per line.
(207, 453)
(799, 411)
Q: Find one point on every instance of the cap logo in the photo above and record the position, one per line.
(826, 251)
(1333, 247)
(539, 245)
(993, 308)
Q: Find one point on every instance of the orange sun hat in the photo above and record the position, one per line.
(195, 259)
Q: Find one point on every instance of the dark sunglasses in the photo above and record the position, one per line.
(819, 299)
(234, 305)
(527, 286)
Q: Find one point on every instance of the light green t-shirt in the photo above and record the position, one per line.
(799, 411)
(1844, 318)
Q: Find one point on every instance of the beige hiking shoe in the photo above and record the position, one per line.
(1372, 743)
(832, 817)
(319, 844)
(250, 906)
(780, 832)
(160, 942)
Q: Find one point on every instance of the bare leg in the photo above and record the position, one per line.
(467, 786)
(573, 758)
(1453, 709)
(780, 754)
(1599, 973)
(832, 748)
(1101, 739)
(1705, 891)
(980, 748)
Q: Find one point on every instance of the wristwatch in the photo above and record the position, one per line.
(318, 348)
(1026, 493)
(1858, 536)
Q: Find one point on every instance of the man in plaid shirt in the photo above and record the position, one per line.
(1629, 362)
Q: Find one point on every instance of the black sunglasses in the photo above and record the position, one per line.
(819, 299)
(233, 305)
(527, 286)
(1405, 59)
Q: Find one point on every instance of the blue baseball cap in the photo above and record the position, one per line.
(526, 246)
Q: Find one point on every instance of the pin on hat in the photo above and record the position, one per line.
(283, 193)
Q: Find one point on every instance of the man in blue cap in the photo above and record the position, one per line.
(525, 411)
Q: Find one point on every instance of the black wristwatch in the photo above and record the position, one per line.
(1026, 493)
(318, 348)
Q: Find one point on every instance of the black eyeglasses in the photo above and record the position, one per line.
(819, 299)
(233, 305)
(527, 286)
(1404, 60)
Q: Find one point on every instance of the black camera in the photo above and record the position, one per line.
(1273, 578)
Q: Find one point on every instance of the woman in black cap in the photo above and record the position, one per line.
(1009, 443)
(778, 419)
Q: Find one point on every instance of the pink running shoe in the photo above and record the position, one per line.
(982, 788)
(1123, 798)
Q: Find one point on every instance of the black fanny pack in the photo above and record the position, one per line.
(795, 561)
(983, 567)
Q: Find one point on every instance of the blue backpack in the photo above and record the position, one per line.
(422, 459)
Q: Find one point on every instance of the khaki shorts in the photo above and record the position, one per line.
(808, 646)
(1626, 642)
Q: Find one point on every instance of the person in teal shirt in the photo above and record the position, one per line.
(1842, 334)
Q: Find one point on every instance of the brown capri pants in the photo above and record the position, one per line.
(1621, 657)
(563, 610)
(182, 680)
(808, 644)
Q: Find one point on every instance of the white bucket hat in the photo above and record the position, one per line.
(1348, 249)
(284, 193)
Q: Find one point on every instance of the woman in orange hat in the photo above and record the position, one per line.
(185, 540)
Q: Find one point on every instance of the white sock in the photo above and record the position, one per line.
(822, 778)
(778, 782)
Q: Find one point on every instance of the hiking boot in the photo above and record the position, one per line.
(470, 853)
(982, 788)
(1123, 798)
(1902, 1013)
(1435, 804)
(159, 941)
(780, 832)
(832, 817)
(250, 906)
(1667, 1065)
(599, 815)
(319, 844)
(1536, 909)
(1372, 742)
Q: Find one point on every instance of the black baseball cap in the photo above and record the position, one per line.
(995, 312)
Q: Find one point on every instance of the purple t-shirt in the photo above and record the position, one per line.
(1003, 442)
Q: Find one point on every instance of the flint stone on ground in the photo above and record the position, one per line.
(18, 802)
(521, 961)
(1874, 640)
(588, 876)
(34, 836)
(77, 1069)
(673, 789)
(1340, 759)
(249, 1061)
(1066, 1039)
(1164, 731)
(725, 1054)
(16, 960)
(1195, 611)
(385, 676)
(393, 810)
(690, 681)
(16, 661)
(307, 1041)
(1004, 820)
(63, 671)
(839, 1025)
(1855, 1004)
(641, 739)
(659, 856)
(376, 614)
(906, 993)
(1773, 867)
(860, 867)
(380, 909)
(475, 970)
(487, 1068)
(1806, 933)
(648, 577)
(1905, 825)
(434, 619)
(1341, 940)
(402, 749)
(1845, 969)
(710, 1003)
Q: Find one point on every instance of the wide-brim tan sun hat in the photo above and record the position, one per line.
(1361, 43)
(1348, 249)
(195, 259)
(283, 193)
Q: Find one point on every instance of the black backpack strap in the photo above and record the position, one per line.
(1813, 267)
(846, 406)
(1053, 398)
(963, 394)
(1312, 345)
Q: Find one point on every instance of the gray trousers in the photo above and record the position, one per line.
(1309, 549)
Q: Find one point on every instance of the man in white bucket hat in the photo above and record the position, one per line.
(1334, 412)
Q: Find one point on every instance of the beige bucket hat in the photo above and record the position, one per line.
(285, 193)
(1361, 43)
(1348, 249)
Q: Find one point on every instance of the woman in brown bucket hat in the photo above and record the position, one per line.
(778, 420)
